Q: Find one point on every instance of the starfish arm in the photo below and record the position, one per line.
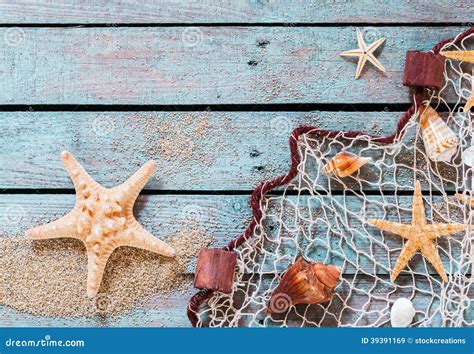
(97, 257)
(78, 174)
(418, 218)
(360, 65)
(409, 249)
(375, 62)
(141, 238)
(131, 188)
(360, 40)
(352, 53)
(469, 103)
(465, 199)
(431, 254)
(63, 227)
(438, 230)
(393, 227)
(373, 47)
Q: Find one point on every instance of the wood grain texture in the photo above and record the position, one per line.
(161, 310)
(170, 310)
(247, 11)
(210, 151)
(225, 217)
(203, 65)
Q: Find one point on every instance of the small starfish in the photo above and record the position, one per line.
(364, 53)
(419, 236)
(468, 57)
(103, 219)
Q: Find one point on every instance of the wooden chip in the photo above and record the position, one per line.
(215, 270)
(424, 70)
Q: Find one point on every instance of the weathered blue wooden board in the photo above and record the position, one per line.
(225, 217)
(203, 65)
(243, 11)
(232, 151)
(354, 307)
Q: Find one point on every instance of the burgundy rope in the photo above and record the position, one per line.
(261, 190)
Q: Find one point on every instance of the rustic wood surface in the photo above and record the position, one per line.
(240, 149)
(204, 65)
(245, 11)
(225, 217)
(102, 90)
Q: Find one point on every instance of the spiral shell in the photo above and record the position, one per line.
(304, 283)
(402, 313)
(344, 164)
(440, 141)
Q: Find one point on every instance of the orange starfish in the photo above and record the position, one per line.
(103, 219)
(419, 236)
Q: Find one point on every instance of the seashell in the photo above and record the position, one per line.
(463, 55)
(344, 164)
(468, 156)
(402, 313)
(440, 141)
(304, 283)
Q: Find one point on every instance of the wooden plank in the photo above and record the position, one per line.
(162, 310)
(169, 310)
(203, 65)
(247, 11)
(224, 217)
(351, 306)
(211, 151)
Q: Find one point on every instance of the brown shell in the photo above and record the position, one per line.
(304, 283)
(344, 164)
(462, 55)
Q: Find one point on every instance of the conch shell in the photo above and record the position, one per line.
(304, 283)
(463, 55)
(402, 313)
(440, 141)
(344, 164)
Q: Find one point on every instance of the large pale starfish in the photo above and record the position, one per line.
(364, 53)
(468, 57)
(419, 236)
(103, 219)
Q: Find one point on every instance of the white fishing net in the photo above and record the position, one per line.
(323, 218)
